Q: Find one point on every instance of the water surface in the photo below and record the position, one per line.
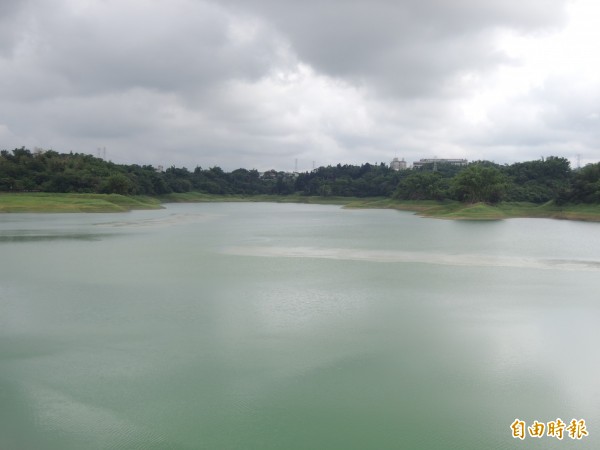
(271, 326)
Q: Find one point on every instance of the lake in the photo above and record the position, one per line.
(289, 326)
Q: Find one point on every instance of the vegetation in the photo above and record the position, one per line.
(483, 181)
(480, 184)
(49, 171)
(446, 209)
(46, 202)
(483, 189)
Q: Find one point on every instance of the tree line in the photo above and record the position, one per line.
(538, 181)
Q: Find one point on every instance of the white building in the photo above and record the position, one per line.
(435, 161)
(397, 164)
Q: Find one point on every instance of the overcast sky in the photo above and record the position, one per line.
(263, 83)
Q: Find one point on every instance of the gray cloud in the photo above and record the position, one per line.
(558, 118)
(13, 22)
(410, 47)
(259, 83)
(121, 45)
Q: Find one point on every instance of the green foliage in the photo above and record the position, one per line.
(117, 184)
(348, 181)
(478, 183)
(586, 185)
(540, 181)
(422, 185)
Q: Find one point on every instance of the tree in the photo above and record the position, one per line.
(421, 185)
(117, 184)
(479, 184)
(586, 187)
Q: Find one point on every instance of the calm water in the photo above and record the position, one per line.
(267, 326)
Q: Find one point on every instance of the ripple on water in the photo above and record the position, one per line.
(386, 256)
(95, 426)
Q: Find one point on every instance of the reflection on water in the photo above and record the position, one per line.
(65, 414)
(29, 236)
(412, 257)
(172, 219)
(267, 326)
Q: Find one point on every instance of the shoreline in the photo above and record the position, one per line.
(450, 210)
(38, 202)
(48, 202)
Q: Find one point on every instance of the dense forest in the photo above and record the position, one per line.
(539, 181)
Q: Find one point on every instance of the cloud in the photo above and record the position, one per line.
(546, 99)
(260, 83)
(104, 46)
(409, 48)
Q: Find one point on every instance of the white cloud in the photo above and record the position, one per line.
(546, 99)
(260, 83)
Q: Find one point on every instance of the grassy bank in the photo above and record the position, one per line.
(482, 211)
(426, 208)
(193, 197)
(39, 202)
(46, 202)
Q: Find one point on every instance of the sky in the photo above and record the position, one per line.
(285, 84)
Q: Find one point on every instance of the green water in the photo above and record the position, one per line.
(267, 326)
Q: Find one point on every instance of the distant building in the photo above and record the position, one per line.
(397, 164)
(435, 161)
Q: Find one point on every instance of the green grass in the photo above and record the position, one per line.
(504, 210)
(482, 211)
(201, 197)
(586, 212)
(48, 202)
(39, 202)
(426, 208)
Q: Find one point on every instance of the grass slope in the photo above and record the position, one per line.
(483, 211)
(426, 208)
(193, 197)
(39, 202)
(47, 202)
